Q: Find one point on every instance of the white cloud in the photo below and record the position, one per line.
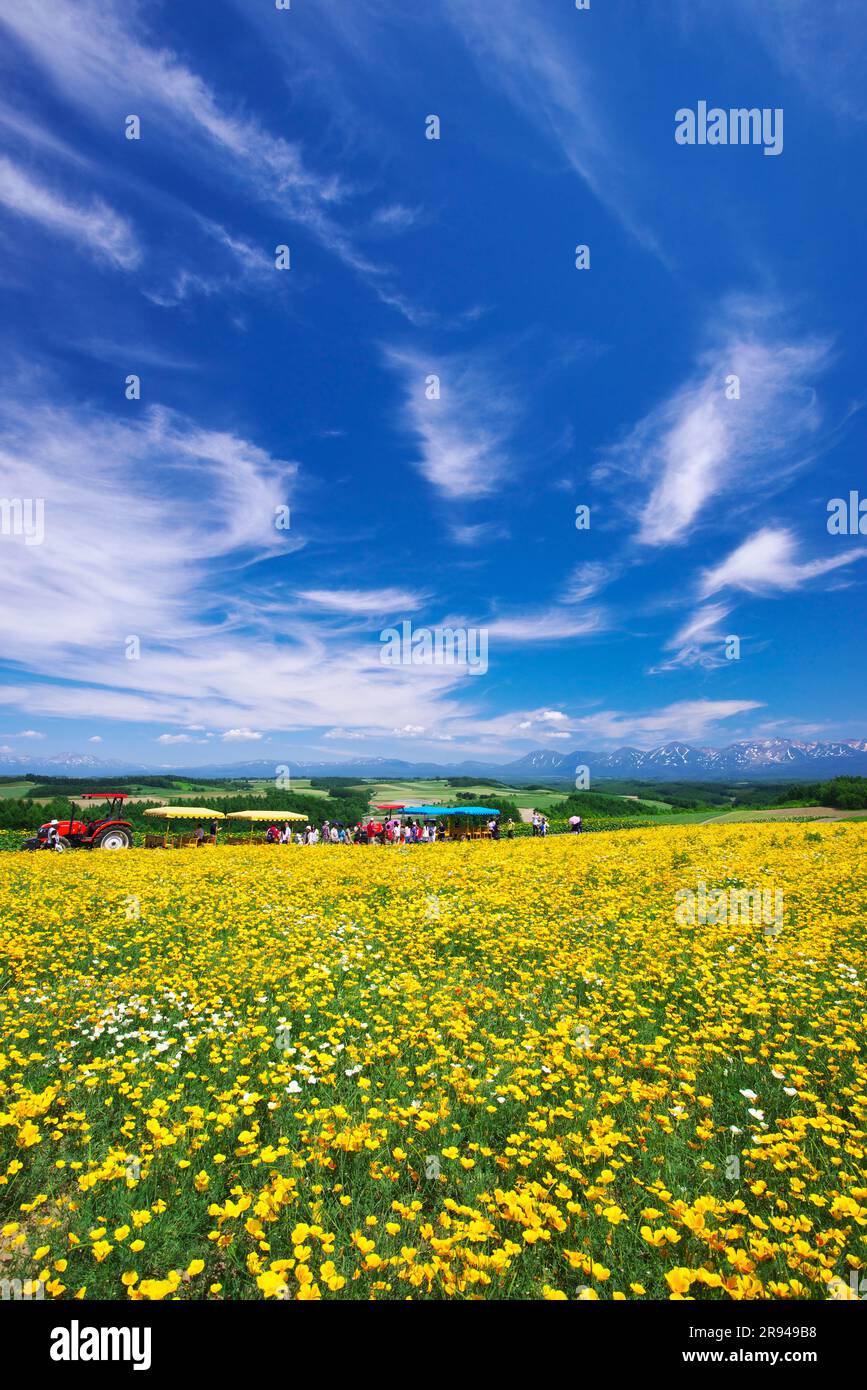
(546, 625)
(481, 533)
(540, 68)
(364, 601)
(95, 738)
(395, 217)
(587, 579)
(689, 720)
(464, 437)
(97, 55)
(700, 641)
(174, 738)
(94, 225)
(126, 495)
(823, 46)
(241, 736)
(695, 721)
(699, 445)
(767, 561)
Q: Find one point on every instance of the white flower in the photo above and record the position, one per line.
(778, 1074)
(750, 1095)
(293, 1088)
(790, 1090)
(757, 1114)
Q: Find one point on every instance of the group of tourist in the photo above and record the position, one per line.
(389, 832)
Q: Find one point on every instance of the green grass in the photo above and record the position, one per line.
(12, 790)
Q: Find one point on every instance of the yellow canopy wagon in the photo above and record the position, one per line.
(272, 817)
(173, 813)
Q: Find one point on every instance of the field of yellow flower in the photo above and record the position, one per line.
(458, 1071)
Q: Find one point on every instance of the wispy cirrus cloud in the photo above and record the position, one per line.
(364, 601)
(703, 443)
(700, 641)
(537, 63)
(546, 625)
(126, 494)
(768, 561)
(126, 497)
(823, 46)
(695, 721)
(689, 720)
(93, 225)
(589, 578)
(479, 533)
(97, 53)
(465, 433)
(765, 564)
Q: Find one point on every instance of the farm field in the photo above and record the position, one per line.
(471, 1070)
(11, 790)
(781, 813)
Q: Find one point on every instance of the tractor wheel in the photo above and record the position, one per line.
(62, 844)
(117, 837)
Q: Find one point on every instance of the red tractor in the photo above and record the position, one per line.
(107, 831)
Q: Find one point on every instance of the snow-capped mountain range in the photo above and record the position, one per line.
(749, 759)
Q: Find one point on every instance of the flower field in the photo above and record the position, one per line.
(464, 1071)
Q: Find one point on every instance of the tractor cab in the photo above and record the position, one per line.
(112, 809)
(105, 830)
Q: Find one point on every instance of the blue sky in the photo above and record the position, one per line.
(263, 388)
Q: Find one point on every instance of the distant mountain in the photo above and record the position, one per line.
(67, 765)
(750, 759)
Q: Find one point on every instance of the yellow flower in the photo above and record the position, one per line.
(679, 1280)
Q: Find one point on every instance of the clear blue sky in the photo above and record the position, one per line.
(410, 257)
